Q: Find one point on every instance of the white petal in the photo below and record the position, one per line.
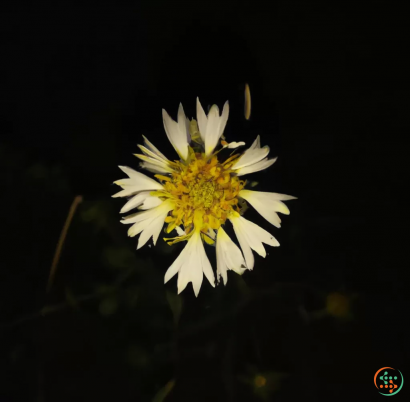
(186, 269)
(135, 201)
(212, 130)
(153, 168)
(176, 135)
(124, 193)
(233, 145)
(153, 155)
(253, 240)
(154, 149)
(150, 202)
(211, 233)
(228, 256)
(166, 206)
(256, 167)
(180, 231)
(257, 235)
(267, 204)
(202, 119)
(130, 172)
(177, 264)
(221, 268)
(190, 265)
(153, 229)
(162, 165)
(246, 249)
(251, 235)
(223, 119)
(184, 274)
(148, 223)
(195, 265)
(206, 265)
(137, 181)
(251, 156)
(256, 144)
(182, 124)
(138, 217)
(138, 227)
(215, 127)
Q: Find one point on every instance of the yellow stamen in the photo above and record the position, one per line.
(204, 193)
(163, 178)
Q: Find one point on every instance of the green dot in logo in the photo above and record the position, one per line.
(395, 377)
(390, 378)
(385, 373)
(386, 377)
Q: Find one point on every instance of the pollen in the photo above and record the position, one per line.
(204, 191)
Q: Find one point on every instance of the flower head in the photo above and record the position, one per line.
(197, 194)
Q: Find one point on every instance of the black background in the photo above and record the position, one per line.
(329, 96)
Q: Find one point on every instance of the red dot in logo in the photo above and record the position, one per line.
(391, 386)
(381, 386)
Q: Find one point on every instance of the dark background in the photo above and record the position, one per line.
(316, 318)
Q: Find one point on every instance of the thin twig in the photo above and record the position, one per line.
(77, 200)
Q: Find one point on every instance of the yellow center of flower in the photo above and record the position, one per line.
(201, 193)
(204, 191)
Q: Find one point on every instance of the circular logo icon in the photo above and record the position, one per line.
(388, 381)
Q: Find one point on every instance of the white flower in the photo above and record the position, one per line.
(197, 195)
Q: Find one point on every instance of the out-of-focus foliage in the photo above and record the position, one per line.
(109, 309)
(163, 392)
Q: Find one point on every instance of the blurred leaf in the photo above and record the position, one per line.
(131, 296)
(38, 172)
(338, 305)
(264, 383)
(49, 309)
(137, 356)
(16, 354)
(104, 289)
(163, 392)
(96, 213)
(119, 257)
(70, 298)
(175, 303)
(108, 306)
(267, 383)
(56, 171)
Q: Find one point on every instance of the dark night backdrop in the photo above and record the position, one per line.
(316, 318)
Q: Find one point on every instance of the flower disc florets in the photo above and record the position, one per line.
(204, 185)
